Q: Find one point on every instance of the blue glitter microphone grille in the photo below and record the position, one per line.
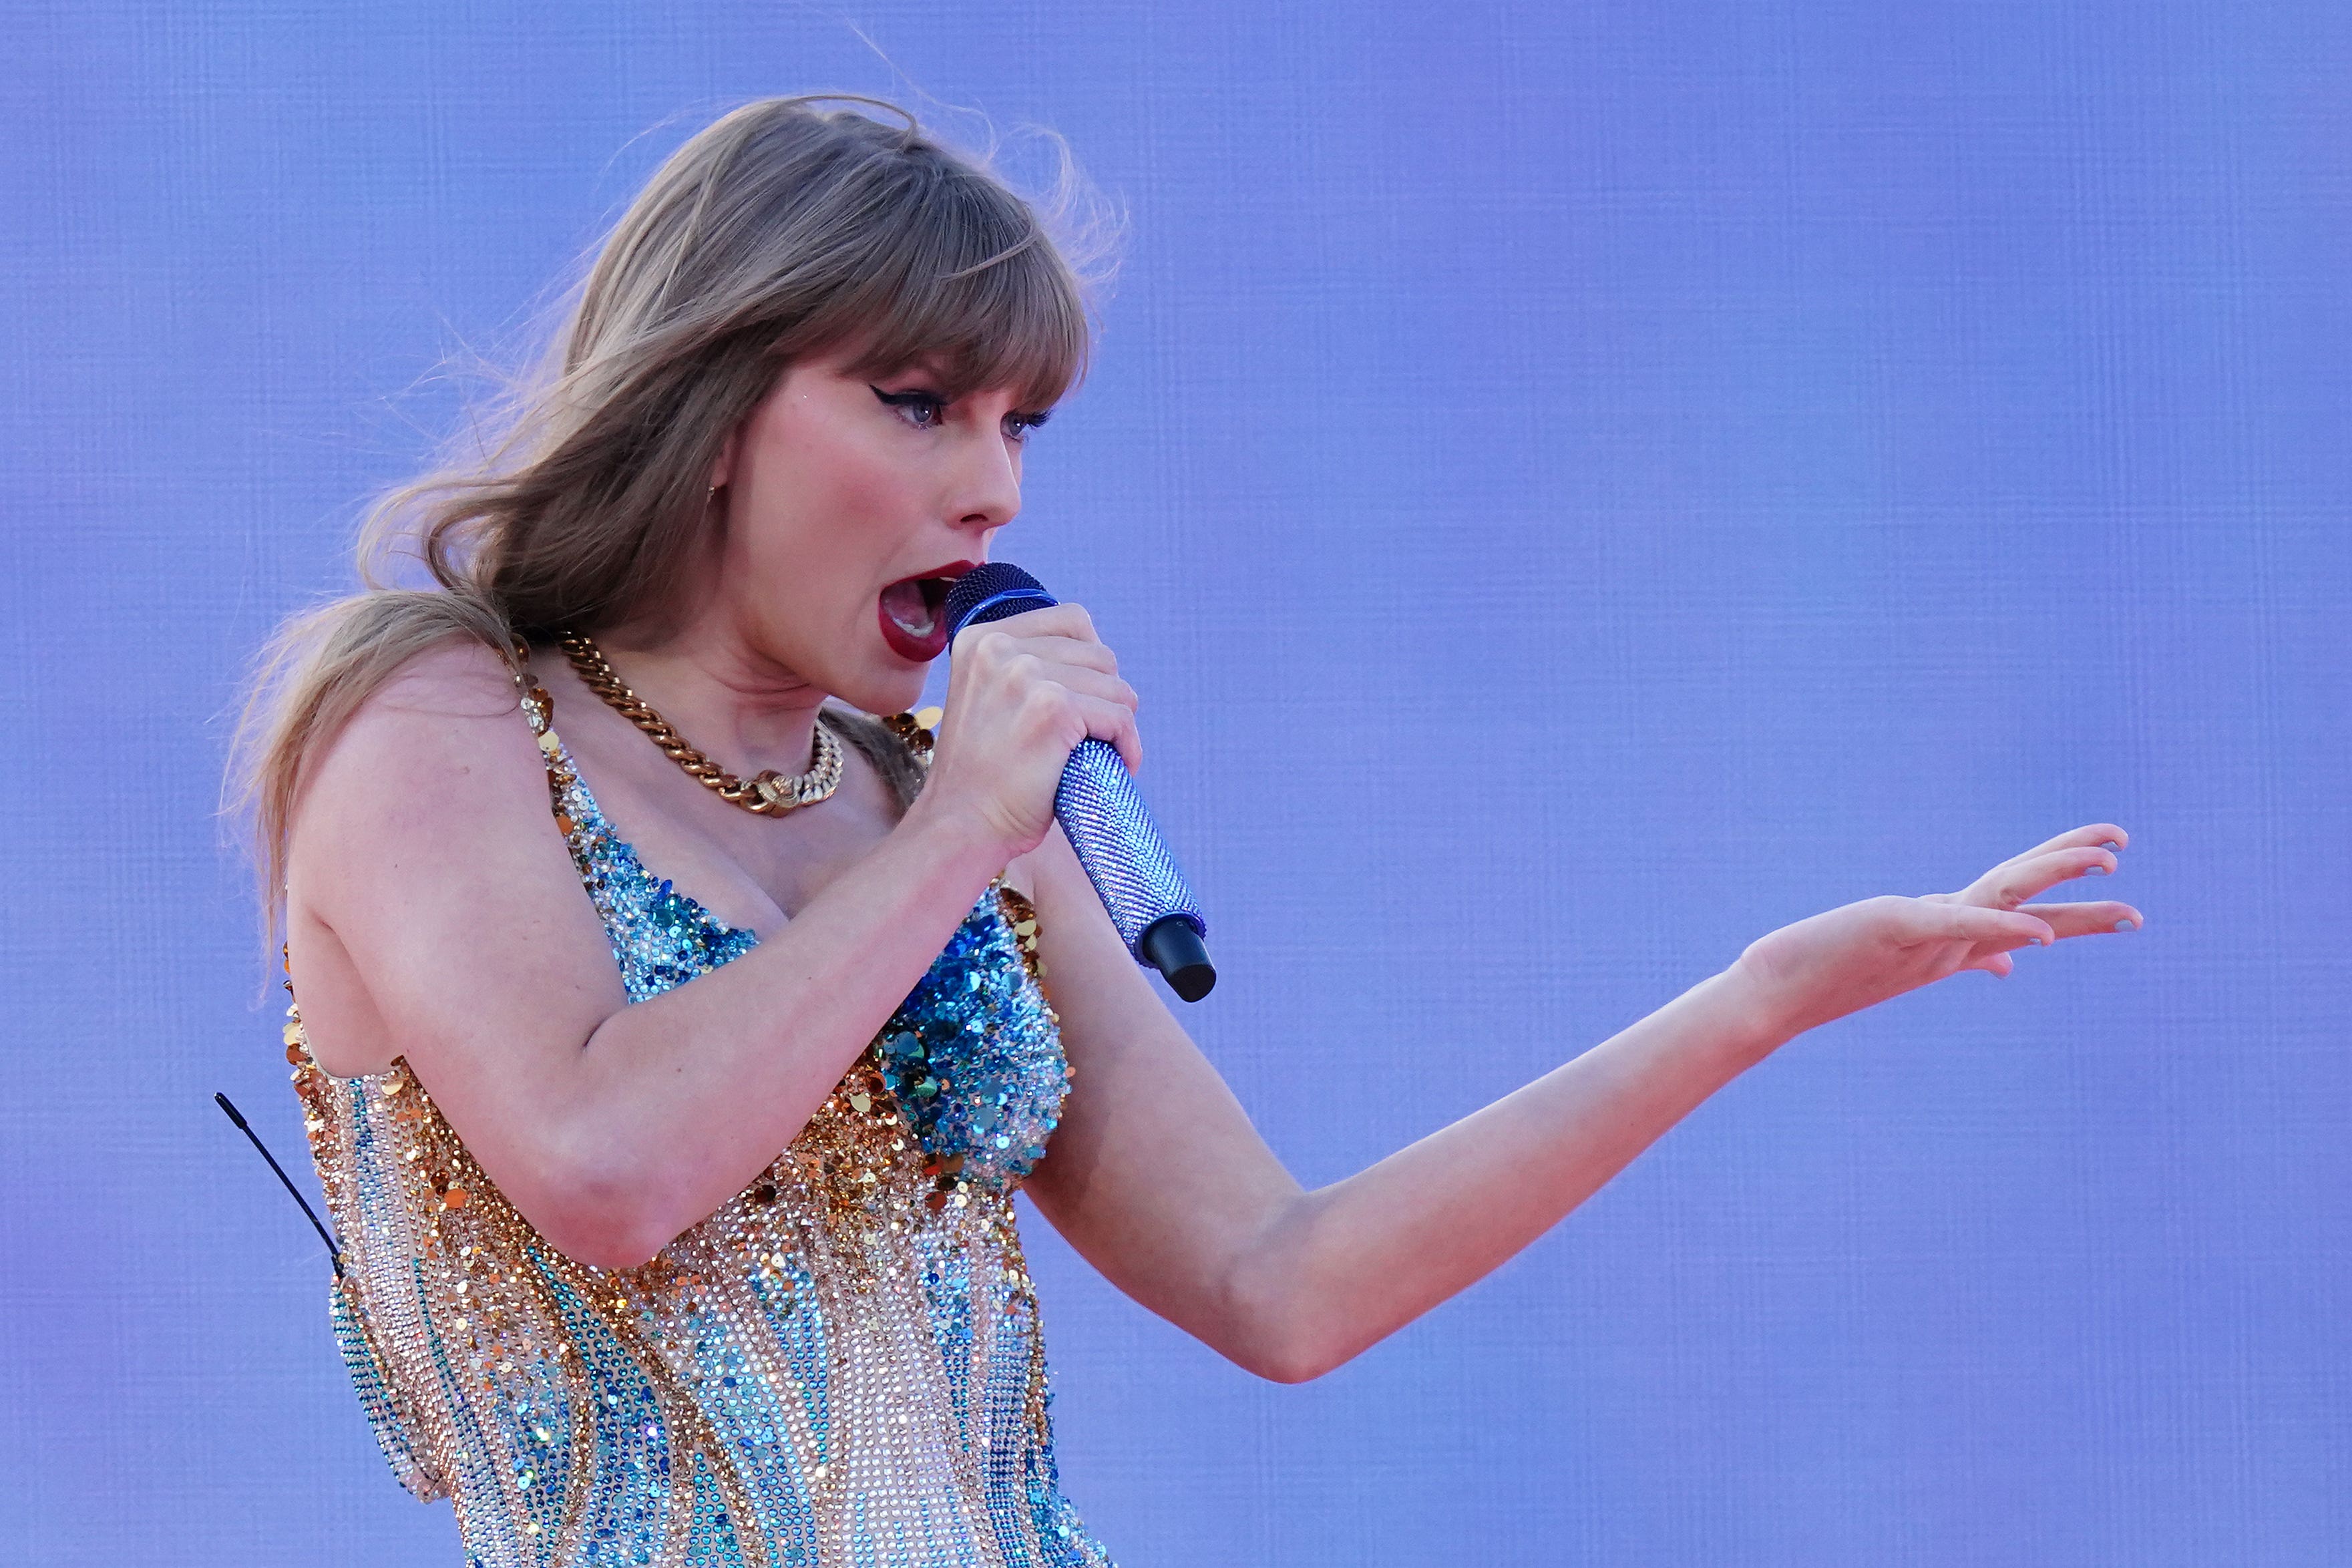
(1105, 819)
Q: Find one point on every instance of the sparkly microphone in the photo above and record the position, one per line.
(1104, 817)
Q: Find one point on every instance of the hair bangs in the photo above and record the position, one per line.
(978, 295)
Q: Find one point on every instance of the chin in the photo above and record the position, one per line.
(883, 691)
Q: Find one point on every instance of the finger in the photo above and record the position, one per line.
(2008, 885)
(2102, 919)
(1094, 683)
(1114, 722)
(1992, 930)
(1057, 649)
(1055, 620)
(2105, 834)
(992, 640)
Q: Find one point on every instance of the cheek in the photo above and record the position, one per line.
(862, 500)
(828, 511)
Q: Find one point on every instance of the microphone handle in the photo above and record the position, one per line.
(1150, 904)
(1118, 844)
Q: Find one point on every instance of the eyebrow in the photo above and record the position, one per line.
(929, 368)
(934, 379)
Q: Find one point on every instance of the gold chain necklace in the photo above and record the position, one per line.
(769, 795)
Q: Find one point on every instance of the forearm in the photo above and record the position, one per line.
(674, 1104)
(1338, 1270)
(1158, 1179)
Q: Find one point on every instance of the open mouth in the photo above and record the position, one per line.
(913, 612)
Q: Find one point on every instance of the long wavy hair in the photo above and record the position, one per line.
(782, 231)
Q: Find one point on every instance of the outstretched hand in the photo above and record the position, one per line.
(1859, 954)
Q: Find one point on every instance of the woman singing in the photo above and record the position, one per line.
(673, 1034)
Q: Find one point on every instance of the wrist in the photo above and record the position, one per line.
(954, 840)
(1751, 1021)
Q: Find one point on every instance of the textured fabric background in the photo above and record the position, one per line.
(1579, 486)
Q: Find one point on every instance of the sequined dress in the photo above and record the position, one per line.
(840, 1367)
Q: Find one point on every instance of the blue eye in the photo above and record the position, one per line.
(923, 410)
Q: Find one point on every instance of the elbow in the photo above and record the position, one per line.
(600, 1213)
(601, 1244)
(1290, 1353)
(604, 1237)
(1276, 1328)
(1285, 1364)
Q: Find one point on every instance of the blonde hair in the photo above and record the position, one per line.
(780, 232)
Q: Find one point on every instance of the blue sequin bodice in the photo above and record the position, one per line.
(840, 1365)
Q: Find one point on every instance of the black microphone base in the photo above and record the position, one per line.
(1171, 946)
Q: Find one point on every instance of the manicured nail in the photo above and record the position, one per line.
(2109, 844)
(2127, 923)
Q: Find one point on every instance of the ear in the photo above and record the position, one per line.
(722, 468)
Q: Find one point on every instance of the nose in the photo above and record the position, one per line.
(987, 482)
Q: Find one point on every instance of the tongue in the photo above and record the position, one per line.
(903, 602)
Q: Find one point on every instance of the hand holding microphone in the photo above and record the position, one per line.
(1039, 727)
(1017, 703)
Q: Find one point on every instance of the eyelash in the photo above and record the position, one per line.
(1026, 424)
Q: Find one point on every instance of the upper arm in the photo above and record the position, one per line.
(432, 898)
(1155, 1173)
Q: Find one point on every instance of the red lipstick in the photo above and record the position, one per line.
(912, 612)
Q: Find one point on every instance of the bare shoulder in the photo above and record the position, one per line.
(455, 688)
(439, 748)
(429, 893)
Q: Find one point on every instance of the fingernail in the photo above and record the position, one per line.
(2096, 870)
(2127, 923)
(2109, 844)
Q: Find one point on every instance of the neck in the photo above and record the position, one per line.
(743, 711)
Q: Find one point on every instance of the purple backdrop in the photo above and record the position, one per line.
(1578, 487)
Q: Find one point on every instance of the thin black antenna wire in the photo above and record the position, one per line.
(334, 1253)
